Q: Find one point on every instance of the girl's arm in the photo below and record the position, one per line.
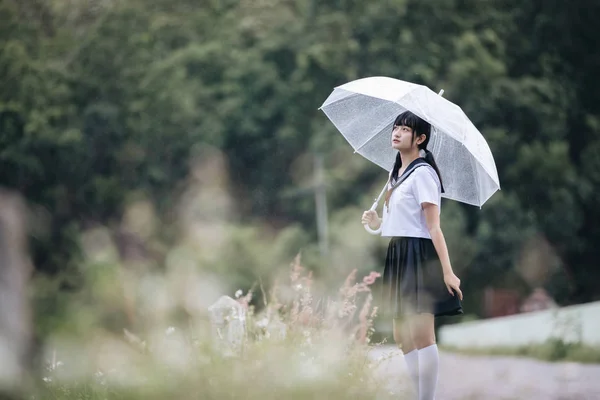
(432, 217)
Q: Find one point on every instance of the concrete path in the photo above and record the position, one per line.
(497, 378)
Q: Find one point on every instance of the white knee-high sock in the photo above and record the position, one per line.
(428, 372)
(412, 362)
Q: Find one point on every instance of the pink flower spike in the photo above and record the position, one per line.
(369, 280)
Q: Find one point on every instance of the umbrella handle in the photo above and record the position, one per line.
(373, 208)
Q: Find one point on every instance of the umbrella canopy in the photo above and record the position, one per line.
(364, 111)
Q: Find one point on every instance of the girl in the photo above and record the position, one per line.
(418, 280)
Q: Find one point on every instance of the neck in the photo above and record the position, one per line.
(408, 156)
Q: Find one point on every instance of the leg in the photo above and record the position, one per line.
(403, 338)
(423, 335)
(422, 330)
(403, 335)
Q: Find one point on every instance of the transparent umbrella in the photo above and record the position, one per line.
(365, 109)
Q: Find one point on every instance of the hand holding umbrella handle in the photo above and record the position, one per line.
(368, 228)
(373, 208)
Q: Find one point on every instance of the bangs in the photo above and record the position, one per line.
(407, 119)
(414, 122)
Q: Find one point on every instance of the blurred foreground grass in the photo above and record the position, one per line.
(296, 346)
(266, 370)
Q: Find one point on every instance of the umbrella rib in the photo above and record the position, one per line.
(363, 94)
(369, 140)
(396, 102)
(377, 134)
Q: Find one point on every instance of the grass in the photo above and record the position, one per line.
(554, 350)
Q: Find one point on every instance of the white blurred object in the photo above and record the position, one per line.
(228, 323)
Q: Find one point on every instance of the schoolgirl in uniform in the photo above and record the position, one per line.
(418, 281)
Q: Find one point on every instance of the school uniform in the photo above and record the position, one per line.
(413, 280)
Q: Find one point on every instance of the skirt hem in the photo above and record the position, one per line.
(413, 280)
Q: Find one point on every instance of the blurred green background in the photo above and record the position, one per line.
(194, 125)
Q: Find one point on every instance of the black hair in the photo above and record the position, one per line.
(419, 127)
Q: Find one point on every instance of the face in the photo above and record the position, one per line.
(402, 138)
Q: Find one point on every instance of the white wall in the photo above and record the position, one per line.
(580, 322)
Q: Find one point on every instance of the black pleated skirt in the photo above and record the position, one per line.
(413, 281)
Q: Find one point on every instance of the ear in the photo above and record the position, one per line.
(421, 139)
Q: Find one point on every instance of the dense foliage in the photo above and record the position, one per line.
(105, 103)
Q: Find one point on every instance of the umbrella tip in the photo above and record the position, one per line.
(441, 92)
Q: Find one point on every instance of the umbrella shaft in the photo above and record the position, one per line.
(374, 206)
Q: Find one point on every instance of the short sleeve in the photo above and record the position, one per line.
(426, 187)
